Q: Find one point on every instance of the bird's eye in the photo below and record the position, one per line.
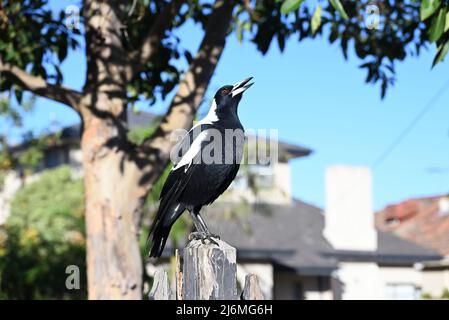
(224, 92)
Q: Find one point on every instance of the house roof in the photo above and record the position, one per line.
(391, 250)
(442, 264)
(420, 220)
(292, 238)
(293, 150)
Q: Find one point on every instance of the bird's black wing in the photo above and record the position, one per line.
(169, 209)
(232, 171)
(181, 150)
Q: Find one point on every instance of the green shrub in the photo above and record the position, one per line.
(43, 235)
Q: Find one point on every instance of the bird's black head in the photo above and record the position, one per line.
(229, 96)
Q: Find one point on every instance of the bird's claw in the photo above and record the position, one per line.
(216, 236)
(203, 237)
(210, 237)
(194, 236)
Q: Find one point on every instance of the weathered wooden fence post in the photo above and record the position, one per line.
(206, 272)
(209, 271)
(251, 291)
(161, 286)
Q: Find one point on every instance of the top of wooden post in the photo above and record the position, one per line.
(209, 271)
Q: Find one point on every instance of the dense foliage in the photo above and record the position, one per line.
(43, 235)
(33, 37)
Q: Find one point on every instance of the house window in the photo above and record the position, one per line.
(401, 291)
(264, 175)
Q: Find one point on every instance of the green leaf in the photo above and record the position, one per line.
(290, 5)
(441, 53)
(428, 7)
(437, 28)
(239, 31)
(339, 7)
(316, 19)
(446, 27)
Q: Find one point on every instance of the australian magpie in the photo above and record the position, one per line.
(210, 156)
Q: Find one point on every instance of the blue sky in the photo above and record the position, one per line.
(317, 99)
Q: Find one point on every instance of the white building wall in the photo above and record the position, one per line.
(407, 281)
(282, 181)
(369, 281)
(361, 281)
(405, 275)
(435, 282)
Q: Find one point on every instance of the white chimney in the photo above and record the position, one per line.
(443, 205)
(349, 218)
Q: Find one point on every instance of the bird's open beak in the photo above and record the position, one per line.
(241, 87)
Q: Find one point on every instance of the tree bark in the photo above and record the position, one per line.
(114, 265)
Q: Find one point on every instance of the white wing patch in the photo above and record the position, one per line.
(211, 116)
(194, 149)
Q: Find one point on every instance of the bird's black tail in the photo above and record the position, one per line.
(161, 226)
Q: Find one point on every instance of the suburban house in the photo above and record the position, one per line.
(424, 221)
(298, 250)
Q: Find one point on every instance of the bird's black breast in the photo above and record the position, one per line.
(208, 183)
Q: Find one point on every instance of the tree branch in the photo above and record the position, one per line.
(152, 41)
(192, 88)
(190, 92)
(40, 87)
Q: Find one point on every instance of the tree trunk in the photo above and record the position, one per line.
(114, 266)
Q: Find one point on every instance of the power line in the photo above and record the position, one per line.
(400, 137)
(411, 125)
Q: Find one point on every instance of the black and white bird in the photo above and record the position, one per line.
(209, 161)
